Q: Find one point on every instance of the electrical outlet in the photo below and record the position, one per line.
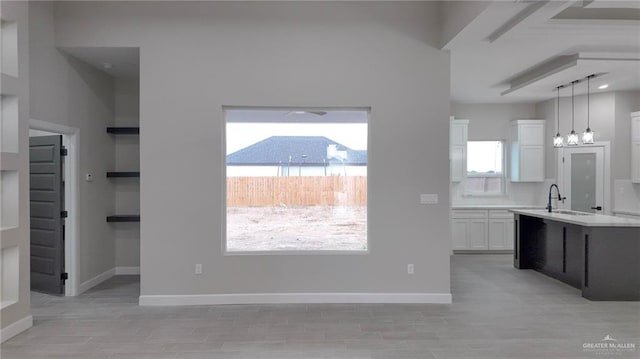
(409, 268)
(198, 268)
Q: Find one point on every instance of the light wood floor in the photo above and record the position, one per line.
(498, 312)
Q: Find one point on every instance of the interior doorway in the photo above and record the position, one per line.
(70, 140)
(584, 174)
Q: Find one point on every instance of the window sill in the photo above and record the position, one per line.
(297, 253)
(496, 195)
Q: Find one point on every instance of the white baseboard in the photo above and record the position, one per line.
(127, 270)
(282, 298)
(16, 328)
(84, 286)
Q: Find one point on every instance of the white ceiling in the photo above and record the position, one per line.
(513, 51)
(121, 62)
(519, 51)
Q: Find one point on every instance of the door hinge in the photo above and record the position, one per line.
(64, 214)
(63, 151)
(64, 276)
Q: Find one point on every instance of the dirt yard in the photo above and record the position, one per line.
(296, 228)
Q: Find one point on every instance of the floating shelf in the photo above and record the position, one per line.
(124, 218)
(124, 130)
(123, 174)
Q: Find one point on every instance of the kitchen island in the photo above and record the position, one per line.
(597, 254)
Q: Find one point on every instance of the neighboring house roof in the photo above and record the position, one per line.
(282, 150)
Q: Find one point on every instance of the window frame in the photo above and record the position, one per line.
(502, 175)
(294, 252)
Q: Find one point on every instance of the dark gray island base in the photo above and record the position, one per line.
(600, 257)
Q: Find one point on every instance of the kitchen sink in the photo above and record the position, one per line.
(573, 213)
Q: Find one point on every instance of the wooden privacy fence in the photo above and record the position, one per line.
(296, 191)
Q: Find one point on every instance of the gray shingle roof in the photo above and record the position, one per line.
(279, 150)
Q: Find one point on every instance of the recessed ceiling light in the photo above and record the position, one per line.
(107, 65)
(602, 87)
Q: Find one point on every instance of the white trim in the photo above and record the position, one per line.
(71, 138)
(96, 280)
(127, 270)
(16, 328)
(287, 298)
(607, 170)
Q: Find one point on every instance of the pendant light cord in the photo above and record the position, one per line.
(572, 108)
(558, 108)
(588, 107)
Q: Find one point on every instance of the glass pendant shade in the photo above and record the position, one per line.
(587, 136)
(572, 139)
(558, 140)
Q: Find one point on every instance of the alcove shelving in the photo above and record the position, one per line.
(124, 130)
(123, 174)
(124, 218)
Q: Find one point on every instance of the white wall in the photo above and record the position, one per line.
(68, 92)
(127, 190)
(626, 102)
(490, 122)
(626, 194)
(198, 57)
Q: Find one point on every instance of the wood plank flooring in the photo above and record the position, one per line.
(498, 312)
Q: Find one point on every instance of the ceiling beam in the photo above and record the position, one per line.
(514, 21)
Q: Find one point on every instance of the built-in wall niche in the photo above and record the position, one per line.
(9, 48)
(10, 263)
(9, 199)
(9, 124)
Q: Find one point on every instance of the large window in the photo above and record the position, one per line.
(296, 180)
(485, 168)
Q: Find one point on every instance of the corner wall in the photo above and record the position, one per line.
(127, 190)
(68, 92)
(197, 57)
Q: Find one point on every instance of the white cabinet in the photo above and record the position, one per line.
(527, 143)
(469, 229)
(459, 233)
(482, 229)
(477, 234)
(635, 147)
(458, 149)
(501, 233)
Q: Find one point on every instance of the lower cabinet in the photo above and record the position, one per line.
(501, 232)
(482, 230)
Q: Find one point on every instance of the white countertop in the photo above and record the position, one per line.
(627, 212)
(494, 206)
(588, 220)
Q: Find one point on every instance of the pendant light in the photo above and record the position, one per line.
(558, 140)
(572, 139)
(587, 135)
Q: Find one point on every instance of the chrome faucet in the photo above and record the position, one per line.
(560, 198)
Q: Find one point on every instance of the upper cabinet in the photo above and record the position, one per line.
(458, 149)
(527, 150)
(635, 147)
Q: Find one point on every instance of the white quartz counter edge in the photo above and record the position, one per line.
(629, 213)
(592, 220)
(495, 206)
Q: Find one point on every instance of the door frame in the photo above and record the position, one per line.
(606, 145)
(71, 140)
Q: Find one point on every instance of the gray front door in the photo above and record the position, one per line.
(47, 224)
